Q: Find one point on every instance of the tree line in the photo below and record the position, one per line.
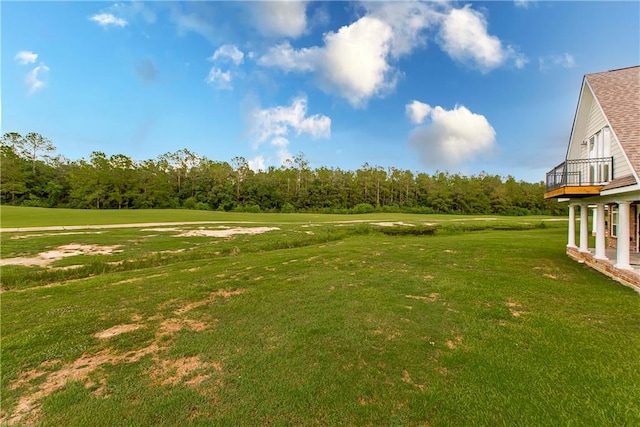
(33, 176)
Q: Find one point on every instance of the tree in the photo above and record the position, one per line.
(32, 145)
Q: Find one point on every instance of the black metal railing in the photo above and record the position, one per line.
(580, 172)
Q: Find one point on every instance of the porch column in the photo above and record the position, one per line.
(571, 241)
(622, 251)
(594, 226)
(584, 228)
(599, 220)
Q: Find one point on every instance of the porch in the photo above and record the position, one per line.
(628, 277)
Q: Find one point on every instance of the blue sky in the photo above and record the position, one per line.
(438, 86)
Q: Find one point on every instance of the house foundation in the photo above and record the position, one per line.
(627, 277)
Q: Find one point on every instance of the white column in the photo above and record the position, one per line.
(584, 228)
(571, 242)
(599, 219)
(622, 252)
(594, 226)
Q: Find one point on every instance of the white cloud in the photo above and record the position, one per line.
(256, 164)
(452, 137)
(228, 52)
(34, 78)
(565, 60)
(25, 57)
(281, 18)
(352, 63)
(220, 79)
(284, 56)
(464, 37)
(276, 123)
(408, 21)
(106, 19)
(357, 61)
(417, 111)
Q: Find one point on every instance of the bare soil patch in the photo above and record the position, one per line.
(227, 232)
(117, 330)
(44, 259)
(185, 369)
(514, 308)
(392, 224)
(433, 297)
(191, 370)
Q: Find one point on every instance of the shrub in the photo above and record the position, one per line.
(363, 208)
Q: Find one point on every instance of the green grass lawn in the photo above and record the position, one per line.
(332, 324)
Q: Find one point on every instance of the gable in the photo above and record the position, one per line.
(617, 92)
(591, 120)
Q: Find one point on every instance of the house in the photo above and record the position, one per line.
(600, 174)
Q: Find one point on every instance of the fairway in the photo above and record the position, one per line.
(300, 319)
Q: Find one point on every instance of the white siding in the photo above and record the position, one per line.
(595, 122)
(576, 149)
(620, 165)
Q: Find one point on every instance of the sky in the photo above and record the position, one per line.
(458, 87)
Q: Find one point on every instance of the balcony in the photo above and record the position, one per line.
(579, 178)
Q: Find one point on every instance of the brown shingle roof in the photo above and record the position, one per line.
(619, 182)
(618, 93)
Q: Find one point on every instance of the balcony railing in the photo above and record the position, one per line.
(582, 172)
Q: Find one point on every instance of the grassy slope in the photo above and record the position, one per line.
(332, 334)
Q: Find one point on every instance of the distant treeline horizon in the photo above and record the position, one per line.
(32, 176)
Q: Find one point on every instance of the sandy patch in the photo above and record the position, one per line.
(116, 330)
(451, 344)
(514, 308)
(429, 298)
(226, 232)
(188, 370)
(125, 281)
(43, 259)
(212, 297)
(184, 369)
(392, 224)
(406, 378)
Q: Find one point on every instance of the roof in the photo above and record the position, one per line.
(624, 181)
(618, 93)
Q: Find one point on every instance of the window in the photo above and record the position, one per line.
(614, 221)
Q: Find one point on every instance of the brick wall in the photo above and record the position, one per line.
(627, 278)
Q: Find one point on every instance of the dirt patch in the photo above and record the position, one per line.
(514, 308)
(125, 281)
(185, 369)
(433, 297)
(451, 344)
(191, 371)
(392, 224)
(117, 330)
(406, 378)
(212, 297)
(44, 259)
(171, 326)
(226, 232)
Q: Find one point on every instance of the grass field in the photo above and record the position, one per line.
(315, 321)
